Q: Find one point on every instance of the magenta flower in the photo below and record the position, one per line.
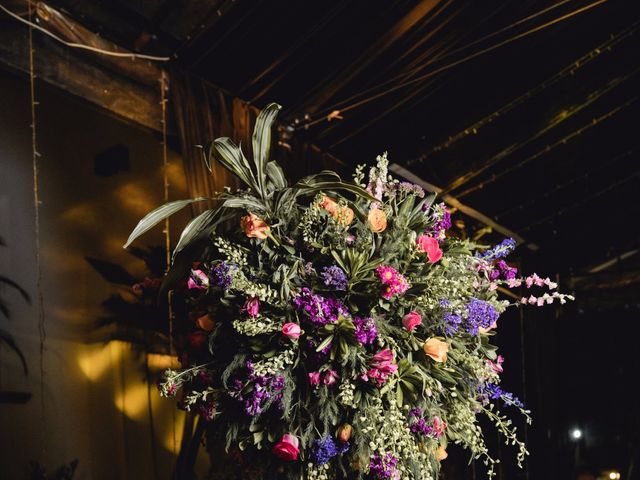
(394, 283)
(252, 306)
(331, 378)
(431, 247)
(411, 320)
(314, 378)
(382, 367)
(287, 448)
(291, 330)
(198, 280)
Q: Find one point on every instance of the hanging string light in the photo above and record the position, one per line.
(164, 87)
(35, 155)
(563, 141)
(560, 118)
(568, 70)
(340, 111)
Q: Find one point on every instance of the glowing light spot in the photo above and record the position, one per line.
(162, 362)
(132, 401)
(98, 359)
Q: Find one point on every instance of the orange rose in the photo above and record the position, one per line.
(254, 227)
(205, 323)
(436, 349)
(377, 220)
(441, 454)
(329, 204)
(341, 214)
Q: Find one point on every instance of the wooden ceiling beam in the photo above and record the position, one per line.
(58, 66)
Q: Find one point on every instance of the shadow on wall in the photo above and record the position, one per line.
(96, 403)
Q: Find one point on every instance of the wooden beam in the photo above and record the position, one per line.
(454, 202)
(63, 68)
(68, 29)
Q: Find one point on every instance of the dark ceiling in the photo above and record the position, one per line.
(537, 98)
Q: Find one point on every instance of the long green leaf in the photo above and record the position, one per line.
(231, 157)
(349, 187)
(196, 229)
(262, 142)
(244, 202)
(159, 214)
(276, 175)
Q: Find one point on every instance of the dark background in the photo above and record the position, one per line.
(558, 166)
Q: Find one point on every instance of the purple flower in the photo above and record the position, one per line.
(501, 250)
(420, 427)
(383, 467)
(220, 276)
(495, 392)
(325, 449)
(366, 331)
(319, 310)
(264, 389)
(335, 277)
(480, 314)
(452, 323)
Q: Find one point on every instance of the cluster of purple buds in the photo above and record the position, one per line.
(317, 309)
(335, 277)
(265, 388)
(502, 269)
(366, 332)
(383, 467)
(220, 275)
(480, 314)
(495, 392)
(501, 250)
(451, 321)
(324, 449)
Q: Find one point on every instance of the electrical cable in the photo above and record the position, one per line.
(562, 117)
(416, 69)
(547, 149)
(459, 61)
(570, 69)
(81, 46)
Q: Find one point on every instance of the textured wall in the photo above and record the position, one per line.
(96, 403)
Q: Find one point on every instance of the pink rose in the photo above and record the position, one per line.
(198, 280)
(497, 366)
(331, 378)
(439, 426)
(291, 330)
(287, 448)
(411, 320)
(252, 306)
(436, 349)
(254, 227)
(430, 246)
(381, 367)
(314, 378)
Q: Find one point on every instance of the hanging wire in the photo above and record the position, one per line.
(164, 86)
(42, 332)
(575, 179)
(421, 66)
(562, 117)
(460, 61)
(548, 148)
(599, 193)
(81, 46)
(570, 69)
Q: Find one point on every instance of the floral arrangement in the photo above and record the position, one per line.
(336, 330)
